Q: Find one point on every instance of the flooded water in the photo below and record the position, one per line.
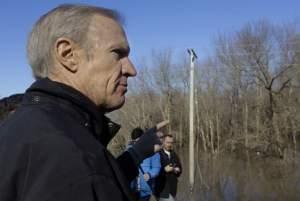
(225, 177)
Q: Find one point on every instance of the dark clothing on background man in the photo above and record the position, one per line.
(166, 182)
(54, 149)
(9, 104)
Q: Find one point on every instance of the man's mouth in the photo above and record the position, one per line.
(123, 87)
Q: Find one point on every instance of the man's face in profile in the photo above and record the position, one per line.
(107, 67)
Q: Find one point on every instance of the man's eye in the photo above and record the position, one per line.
(119, 53)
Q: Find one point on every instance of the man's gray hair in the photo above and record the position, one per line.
(68, 20)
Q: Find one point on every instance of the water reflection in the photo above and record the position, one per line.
(225, 177)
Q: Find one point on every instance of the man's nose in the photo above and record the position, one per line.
(128, 68)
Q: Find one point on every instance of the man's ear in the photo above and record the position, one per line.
(65, 51)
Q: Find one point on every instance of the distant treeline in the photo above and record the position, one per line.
(247, 93)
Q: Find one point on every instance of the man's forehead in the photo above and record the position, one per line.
(169, 139)
(109, 31)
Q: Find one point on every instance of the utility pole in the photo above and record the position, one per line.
(193, 57)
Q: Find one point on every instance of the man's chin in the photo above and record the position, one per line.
(116, 105)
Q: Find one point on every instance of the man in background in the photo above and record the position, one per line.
(166, 182)
(8, 105)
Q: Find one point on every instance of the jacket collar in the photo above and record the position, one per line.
(104, 128)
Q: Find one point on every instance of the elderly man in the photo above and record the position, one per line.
(53, 148)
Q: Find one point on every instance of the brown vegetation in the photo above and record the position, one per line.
(246, 94)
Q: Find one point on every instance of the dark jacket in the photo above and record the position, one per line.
(166, 182)
(54, 149)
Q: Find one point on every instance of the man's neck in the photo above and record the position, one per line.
(167, 151)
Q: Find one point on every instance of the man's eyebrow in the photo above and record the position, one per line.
(123, 51)
(123, 47)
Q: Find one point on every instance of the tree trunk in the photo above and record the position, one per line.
(211, 128)
(218, 133)
(246, 126)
